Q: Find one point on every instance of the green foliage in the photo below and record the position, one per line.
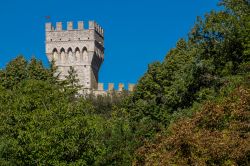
(71, 78)
(15, 71)
(43, 126)
(35, 70)
(71, 84)
(104, 104)
(19, 70)
(117, 140)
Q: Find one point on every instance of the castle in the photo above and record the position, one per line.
(81, 48)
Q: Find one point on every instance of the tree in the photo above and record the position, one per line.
(197, 68)
(217, 135)
(35, 70)
(20, 69)
(40, 125)
(72, 82)
(15, 72)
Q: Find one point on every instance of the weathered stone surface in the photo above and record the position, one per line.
(80, 48)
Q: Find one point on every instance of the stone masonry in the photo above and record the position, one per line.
(81, 48)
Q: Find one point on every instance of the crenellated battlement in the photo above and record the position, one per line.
(111, 87)
(92, 25)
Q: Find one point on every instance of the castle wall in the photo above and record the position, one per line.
(101, 91)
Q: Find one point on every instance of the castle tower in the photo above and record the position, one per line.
(80, 48)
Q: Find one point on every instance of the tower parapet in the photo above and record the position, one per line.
(92, 25)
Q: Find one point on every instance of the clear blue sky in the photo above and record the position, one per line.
(137, 32)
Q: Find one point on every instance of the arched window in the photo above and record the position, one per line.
(70, 55)
(54, 54)
(77, 54)
(62, 54)
(84, 56)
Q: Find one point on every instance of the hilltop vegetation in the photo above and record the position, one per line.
(191, 109)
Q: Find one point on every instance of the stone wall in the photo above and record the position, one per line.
(80, 48)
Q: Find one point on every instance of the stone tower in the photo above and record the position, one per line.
(78, 47)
